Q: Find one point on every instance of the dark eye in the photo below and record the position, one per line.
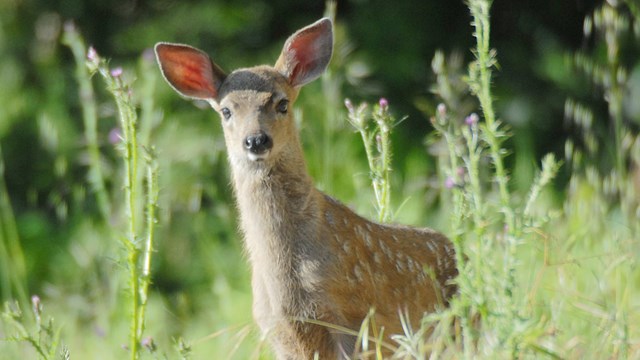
(226, 113)
(283, 106)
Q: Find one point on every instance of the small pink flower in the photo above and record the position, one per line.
(472, 119)
(449, 183)
(116, 72)
(115, 136)
(460, 171)
(442, 109)
(37, 305)
(92, 55)
(384, 104)
(148, 343)
(35, 300)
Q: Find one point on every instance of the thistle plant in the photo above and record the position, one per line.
(486, 244)
(480, 84)
(139, 274)
(375, 129)
(139, 239)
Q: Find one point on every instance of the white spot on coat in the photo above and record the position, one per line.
(357, 271)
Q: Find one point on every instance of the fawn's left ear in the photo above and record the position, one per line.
(306, 53)
(189, 71)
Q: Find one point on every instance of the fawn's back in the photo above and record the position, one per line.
(312, 258)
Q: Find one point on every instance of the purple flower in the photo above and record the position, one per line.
(148, 343)
(472, 119)
(384, 104)
(116, 72)
(35, 300)
(115, 136)
(449, 183)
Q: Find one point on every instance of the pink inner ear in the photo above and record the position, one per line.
(307, 53)
(188, 70)
(303, 50)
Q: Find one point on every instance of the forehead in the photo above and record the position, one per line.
(264, 80)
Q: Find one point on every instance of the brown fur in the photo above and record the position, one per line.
(312, 257)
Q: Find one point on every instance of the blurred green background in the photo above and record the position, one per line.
(200, 277)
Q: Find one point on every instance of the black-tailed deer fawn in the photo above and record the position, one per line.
(312, 257)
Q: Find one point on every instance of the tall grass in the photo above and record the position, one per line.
(500, 311)
(513, 318)
(14, 272)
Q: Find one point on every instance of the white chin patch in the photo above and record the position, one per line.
(257, 157)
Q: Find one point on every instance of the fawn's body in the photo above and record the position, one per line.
(311, 257)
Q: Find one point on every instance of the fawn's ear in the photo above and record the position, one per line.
(189, 71)
(306, 53)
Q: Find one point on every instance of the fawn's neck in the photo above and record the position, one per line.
(278, 209)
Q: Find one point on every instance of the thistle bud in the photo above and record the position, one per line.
(449, 183)
(472, 119)
(384, 104)
(92, 54)
(116, 72)
(348, 105)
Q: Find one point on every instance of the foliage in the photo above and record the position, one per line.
(43, 339)
(547, 253)
(379, 159)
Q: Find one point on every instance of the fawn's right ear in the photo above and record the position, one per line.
(189, 71)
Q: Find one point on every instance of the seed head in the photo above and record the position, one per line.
(37, 305)
(348, 105)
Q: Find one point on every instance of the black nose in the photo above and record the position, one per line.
(258, 143)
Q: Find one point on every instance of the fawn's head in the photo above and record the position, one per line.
(254, 103)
